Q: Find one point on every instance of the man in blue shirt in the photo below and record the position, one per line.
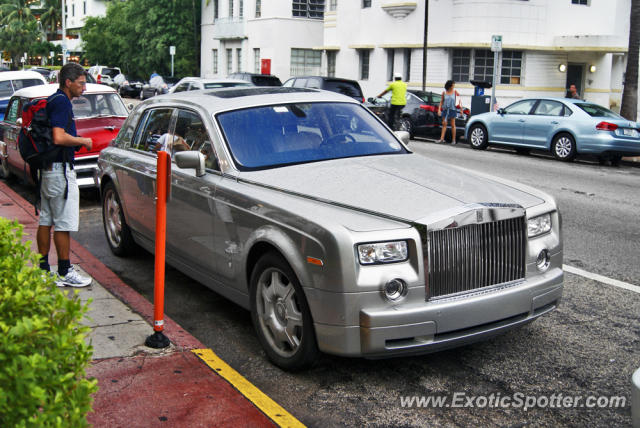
(60, 196)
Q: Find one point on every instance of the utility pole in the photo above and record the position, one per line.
(424, 45)
(64, 33)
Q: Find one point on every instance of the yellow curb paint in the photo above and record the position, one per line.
(269, 407)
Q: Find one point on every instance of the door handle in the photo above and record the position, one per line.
(521, 120)
(205, 189)
(554, 122)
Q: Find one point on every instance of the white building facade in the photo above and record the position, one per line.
(546, 44)
(77, 12)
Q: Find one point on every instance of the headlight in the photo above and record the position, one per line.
(383, 252)
(539, 225)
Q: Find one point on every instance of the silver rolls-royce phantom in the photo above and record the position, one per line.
(303, 207)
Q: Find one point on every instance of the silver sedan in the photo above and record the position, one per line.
(304, 208)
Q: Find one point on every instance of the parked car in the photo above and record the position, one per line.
(53, 77)
(99, 114)
(257, 79)
(128, 87)
(11, 81)
(199, 83)
(157, 85)
(420, 114)
(350, 88)
(565, 127)
(302, 207)
(104, 75)
(42, 70)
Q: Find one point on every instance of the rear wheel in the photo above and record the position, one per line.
(478, 137)
(280, 314)
(405, 125)
(115, 228)
(563, 147)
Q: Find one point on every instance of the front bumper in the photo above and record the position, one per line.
(85, 168)
(435, 325)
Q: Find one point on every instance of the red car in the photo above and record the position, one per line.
(99, 115)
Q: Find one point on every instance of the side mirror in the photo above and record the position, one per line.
(371, 100)
(191, 159)
(501, 111)
(19, 121)
(403, 136)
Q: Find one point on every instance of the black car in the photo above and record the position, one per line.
(42, 70)
(257, 79)
(420, 114)
(128, 87)
(350, 88)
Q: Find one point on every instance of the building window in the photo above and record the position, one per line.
(256, 61)
(258, 8)
(333, 5)
(305, 61)
(364, 55)
(215, 9)
(308, 8)
(230, 8)
(331, 63)
(461, 64)
(407, 65)
(229, 61)
(241, 9)
(84, 7)
(239, 59)
(73, 9)
(582, 2)
(215, 61)
(391, 59)
(483, 65)
(366, 3)
(511, 67)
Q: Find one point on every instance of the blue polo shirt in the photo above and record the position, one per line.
(60, 112)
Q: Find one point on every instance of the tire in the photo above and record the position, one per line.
(116, 229)
(280, 314)
(563, 147)
(478, 138)
(405, 125)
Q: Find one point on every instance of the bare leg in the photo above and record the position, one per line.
(43, 238)
(453, 131)
(444, 128)
(62, 241)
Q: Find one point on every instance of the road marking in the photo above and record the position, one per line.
(269, 407)
(600, 278)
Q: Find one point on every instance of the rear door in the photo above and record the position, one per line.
(10, 132)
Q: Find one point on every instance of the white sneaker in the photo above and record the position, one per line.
(74, 279)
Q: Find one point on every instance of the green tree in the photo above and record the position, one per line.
(629, 105)
(140, 33)
(19, 29)
(51, 17)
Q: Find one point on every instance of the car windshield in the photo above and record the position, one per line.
(98, 105)
(346, 88)
(594, 110)
(276, 135)
(111, 72)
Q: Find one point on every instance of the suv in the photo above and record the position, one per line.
(11, 81)
(104, 75)
(347, 87)
(257, 79)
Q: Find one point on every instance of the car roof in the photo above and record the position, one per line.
(342, 79)
(207, 80)
(224, 99)
(22, 74)
(46, 90)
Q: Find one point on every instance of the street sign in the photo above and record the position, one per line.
(172, 50)
(496, 43)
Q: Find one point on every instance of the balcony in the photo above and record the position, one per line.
(229, 29)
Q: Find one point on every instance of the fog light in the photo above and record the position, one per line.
(543, 261)
(395, 289)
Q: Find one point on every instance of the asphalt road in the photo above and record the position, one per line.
(586, 348)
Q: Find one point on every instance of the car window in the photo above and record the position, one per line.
(276, 135)
(436, 98)
(125, 136)
(98, 105)
(154, 124)
(315, 84)
(595, 110)
(13, 111)
(25, 83)
(6, 89)
(288, 83)
(182, 87)
(111, 72)
(350, 89)
(520, 107)
(549, 108)
(299, 83)
(266, 81)
(191, 134)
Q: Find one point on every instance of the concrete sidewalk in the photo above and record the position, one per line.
(184, 385)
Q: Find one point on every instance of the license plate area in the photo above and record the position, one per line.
(629, 132)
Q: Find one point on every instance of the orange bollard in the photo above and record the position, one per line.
(158, 339)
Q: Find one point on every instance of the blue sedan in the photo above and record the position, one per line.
(565, 127)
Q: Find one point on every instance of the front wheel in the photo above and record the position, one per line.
(115, 228)
(563, 147)
(405, 125)
(478, 137)
(280, 314)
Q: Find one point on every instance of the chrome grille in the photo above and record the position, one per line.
(474, 256)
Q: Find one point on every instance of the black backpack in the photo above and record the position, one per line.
(35, 141)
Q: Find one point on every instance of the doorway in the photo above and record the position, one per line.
(574, 77)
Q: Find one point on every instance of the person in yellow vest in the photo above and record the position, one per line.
(398, 100)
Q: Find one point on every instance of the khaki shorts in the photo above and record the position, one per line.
(55, 210)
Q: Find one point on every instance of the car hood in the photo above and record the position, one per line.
(100, 129)
(409, 187)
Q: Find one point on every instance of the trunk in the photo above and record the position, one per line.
(629, 108)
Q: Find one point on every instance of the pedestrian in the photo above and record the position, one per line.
(449, 102)
(398, 90)
(573, 92)
(60, 196)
